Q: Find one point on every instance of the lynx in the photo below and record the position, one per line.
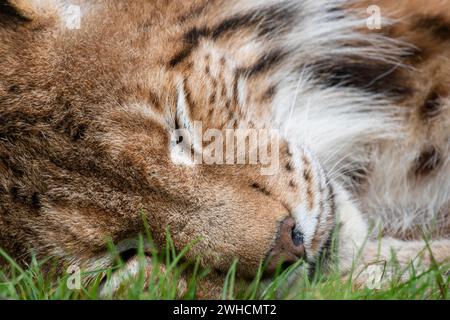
(91, 93)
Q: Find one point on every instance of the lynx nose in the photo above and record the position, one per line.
(288, 247)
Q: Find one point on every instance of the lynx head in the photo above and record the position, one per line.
(143, 109)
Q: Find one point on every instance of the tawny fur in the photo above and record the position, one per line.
(87, 116)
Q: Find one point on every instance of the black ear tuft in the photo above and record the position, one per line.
(15, 11)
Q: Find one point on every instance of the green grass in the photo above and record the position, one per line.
(33, 283)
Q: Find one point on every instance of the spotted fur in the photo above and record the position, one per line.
(87, 119)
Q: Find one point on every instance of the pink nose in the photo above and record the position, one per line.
(288, 249)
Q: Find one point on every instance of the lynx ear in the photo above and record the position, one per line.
(17, 10)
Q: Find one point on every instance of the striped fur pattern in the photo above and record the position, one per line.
(87, 116)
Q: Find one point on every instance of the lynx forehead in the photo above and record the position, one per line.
(94, 94)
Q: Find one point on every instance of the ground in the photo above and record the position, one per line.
(17, 282)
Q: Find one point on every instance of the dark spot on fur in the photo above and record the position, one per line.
(438, 26)
(25, 198)
(234, 23)
(191, 40)
(432, 106)
(266, 63)
(230, 116)
(14, 192)
(307, 171)
(223, 92)
(146, 25)
(307, 175)
(193, 36)
(64, 103)
(289, 167)
(371, 76)
(292, 184)
(289, 152)
(235, 92)
(79, 132)
(260, 188)
(70, 125)
(428, 161)
(181, 56)
(154, 100)
(269, 93)
(214, 83)
(310, 197)
(35, 201)
(14, 89)
(212, 98)
(231, 24)
(188, 96)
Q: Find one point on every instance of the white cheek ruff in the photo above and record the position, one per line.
(306, 223)
(312, 221)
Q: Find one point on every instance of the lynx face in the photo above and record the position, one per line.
(115, 110)
(88, 136)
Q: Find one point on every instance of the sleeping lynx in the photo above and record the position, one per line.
(88, 112)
